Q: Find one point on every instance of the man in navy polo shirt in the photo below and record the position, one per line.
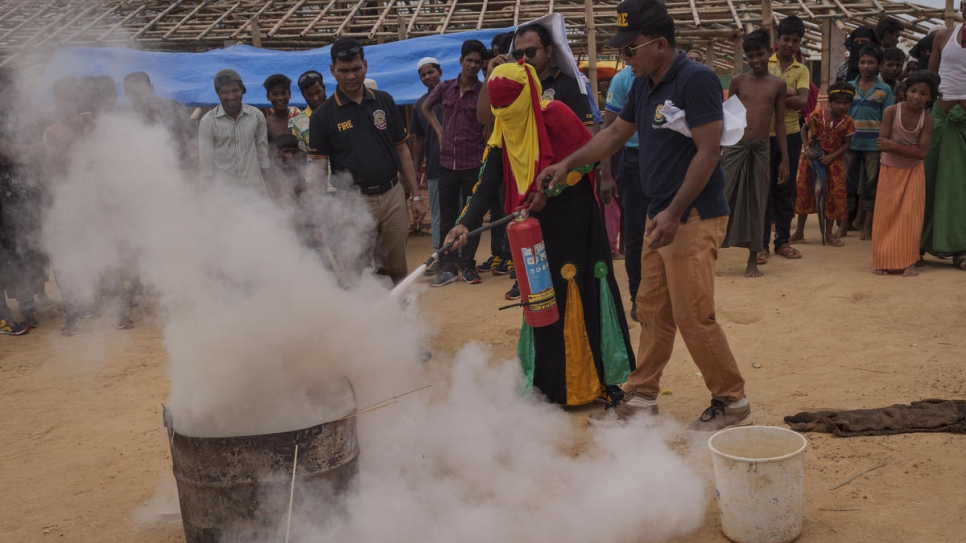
(360, 131)
(687, 215)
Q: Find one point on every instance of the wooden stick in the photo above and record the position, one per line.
(859, 474)
(291, 495)
(379, 405)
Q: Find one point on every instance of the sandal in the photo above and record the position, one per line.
(959, 260)
(796, 239)
(788, 252)
(762, 257)
(834, 242)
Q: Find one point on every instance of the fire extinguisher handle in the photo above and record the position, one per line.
(492, 224)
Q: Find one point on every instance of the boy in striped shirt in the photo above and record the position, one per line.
(871, 100)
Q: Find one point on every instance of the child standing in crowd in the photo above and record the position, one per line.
(904, 142)
(746, 164)
(827, 136)
(872, 98)
(893, 60)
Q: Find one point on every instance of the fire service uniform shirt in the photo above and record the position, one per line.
(359, 139)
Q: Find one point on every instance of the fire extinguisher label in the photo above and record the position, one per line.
(538, 269)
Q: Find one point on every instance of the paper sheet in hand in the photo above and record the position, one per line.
(734, 120)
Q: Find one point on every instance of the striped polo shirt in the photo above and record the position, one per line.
(866, 112)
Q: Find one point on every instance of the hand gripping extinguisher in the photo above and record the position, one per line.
(533, 271)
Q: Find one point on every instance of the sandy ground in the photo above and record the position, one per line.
(83, 453)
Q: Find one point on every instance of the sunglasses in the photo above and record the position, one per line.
(629, 51)
(348, 53)
(529, 52)
(308, 79)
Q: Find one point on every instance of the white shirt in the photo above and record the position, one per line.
(234, 151)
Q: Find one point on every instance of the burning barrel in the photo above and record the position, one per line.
(239, 488)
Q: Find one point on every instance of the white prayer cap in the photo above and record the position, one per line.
(426, 60)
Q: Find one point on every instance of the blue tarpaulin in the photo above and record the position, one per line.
(187, 77)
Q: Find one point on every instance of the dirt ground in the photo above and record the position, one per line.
(83, 450)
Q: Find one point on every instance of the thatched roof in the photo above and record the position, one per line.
(29, 26)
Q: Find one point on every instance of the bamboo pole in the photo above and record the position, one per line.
(949, 15)
(739, 57)
(826, 56)
(285, 18)
(591, 46)
(217, 21)
(183, 20)
(767, 21)
(256, 32)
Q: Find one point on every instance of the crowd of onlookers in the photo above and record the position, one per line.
(283, 149)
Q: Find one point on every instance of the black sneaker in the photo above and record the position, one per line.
(504, 268)
(514, 292)
(71, 327)
(513, 274)
(490, 264)
(471, 277)
(721, 415)
(10, 328)
(443, 278)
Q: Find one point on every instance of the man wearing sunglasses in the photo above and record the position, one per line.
(312, 87)
(361, 132)
(687, 215)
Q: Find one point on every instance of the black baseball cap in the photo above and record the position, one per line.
(634, 17)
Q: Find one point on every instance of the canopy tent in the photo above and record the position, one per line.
(187, 77)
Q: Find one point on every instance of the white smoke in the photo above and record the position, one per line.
(255, 321)
(256, 327)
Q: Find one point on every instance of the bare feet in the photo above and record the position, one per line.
(911, 271)
(880, 272)
(796, 238)
(752, 269)
(834, 241)
(867, 226)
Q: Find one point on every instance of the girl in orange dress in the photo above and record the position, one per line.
(901, 198)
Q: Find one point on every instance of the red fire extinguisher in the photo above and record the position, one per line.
(533, 271)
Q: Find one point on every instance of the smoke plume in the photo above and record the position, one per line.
(256, 326)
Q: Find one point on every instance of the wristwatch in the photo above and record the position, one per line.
(416, 198)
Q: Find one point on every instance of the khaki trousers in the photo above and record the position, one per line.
(677, 292)
(392, 226)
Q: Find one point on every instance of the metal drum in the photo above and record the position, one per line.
(237, 489)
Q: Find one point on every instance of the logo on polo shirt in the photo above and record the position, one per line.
(548, 95)
(379, 117)
(659, 118)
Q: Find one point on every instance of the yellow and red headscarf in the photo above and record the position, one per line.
(519, 129)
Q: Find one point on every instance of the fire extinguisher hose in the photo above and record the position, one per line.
(409, 280)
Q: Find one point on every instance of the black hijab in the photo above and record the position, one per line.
(863, 31)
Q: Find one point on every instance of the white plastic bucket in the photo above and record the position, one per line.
(760, 476)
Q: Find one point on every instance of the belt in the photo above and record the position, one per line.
(379, 189)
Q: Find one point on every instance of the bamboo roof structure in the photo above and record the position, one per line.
(29, 26)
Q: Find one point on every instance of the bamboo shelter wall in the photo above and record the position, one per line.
(31, 26)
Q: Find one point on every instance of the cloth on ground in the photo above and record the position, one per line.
(922, 416)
